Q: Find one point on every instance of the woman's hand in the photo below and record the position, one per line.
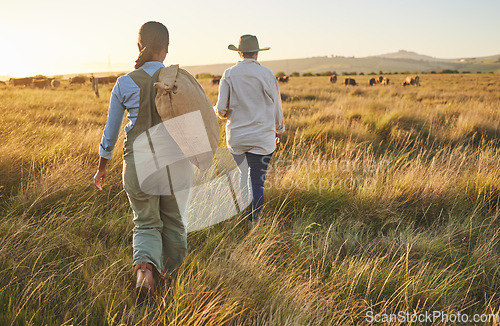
(101, 173)
(99, 178)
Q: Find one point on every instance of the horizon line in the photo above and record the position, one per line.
(2, 76)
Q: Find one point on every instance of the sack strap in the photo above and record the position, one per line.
(168, 77)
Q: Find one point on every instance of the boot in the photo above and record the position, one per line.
(144, 286)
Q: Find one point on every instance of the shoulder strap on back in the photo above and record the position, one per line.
(156, 75)
(138, 75)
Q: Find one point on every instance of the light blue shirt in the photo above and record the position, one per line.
(125, 96)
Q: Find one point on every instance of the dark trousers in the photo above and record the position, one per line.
(253, 168)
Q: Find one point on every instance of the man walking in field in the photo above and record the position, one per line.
(249, 98)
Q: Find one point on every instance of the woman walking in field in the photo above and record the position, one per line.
(159, 235)
(249, 98)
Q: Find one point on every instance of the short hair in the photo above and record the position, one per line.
(248, 54)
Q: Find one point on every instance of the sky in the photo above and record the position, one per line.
(61, 37)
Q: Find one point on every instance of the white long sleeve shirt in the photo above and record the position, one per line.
(249, 94)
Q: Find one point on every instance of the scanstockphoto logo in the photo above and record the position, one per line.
(435, 316)
(162, 162)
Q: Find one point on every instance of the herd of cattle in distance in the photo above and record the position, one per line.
(45, 82)
(410, 80)
(37, 82)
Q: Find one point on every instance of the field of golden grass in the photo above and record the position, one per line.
(380, 200)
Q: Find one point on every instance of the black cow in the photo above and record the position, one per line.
(282, 79)
(350, 82)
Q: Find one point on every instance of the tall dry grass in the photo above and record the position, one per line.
(381, 199)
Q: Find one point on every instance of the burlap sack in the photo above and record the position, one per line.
(188, 115)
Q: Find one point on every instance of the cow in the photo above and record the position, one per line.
(216, 80)
(103, 80)
(333, 79)
(21, 81)
(350, 82)
(282, 79)
(112, 79)
(55, 83)
(385, 81)
(412, 80)
(41, 83)
(417, 80)
(372, 81)
(77, 80)
(379, 79)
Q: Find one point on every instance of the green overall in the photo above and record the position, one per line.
(159, 235)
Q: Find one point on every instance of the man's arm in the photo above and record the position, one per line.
(278, 111)
(222, 105)
(220, 114)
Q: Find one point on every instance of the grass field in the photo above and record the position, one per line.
(380, 200)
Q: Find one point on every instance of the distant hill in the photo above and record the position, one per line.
(401, 61)
(493, 57)
(403, 54)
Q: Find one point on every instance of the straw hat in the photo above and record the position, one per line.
(248, 43)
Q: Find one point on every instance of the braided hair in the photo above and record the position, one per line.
(153, 37)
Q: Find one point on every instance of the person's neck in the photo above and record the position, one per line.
(158, 57)
(255, 56)
(155, 59)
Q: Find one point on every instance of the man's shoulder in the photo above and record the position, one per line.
(252, 64)
(246, 68)
(228, 70)
(267, 70)
(264, 72)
